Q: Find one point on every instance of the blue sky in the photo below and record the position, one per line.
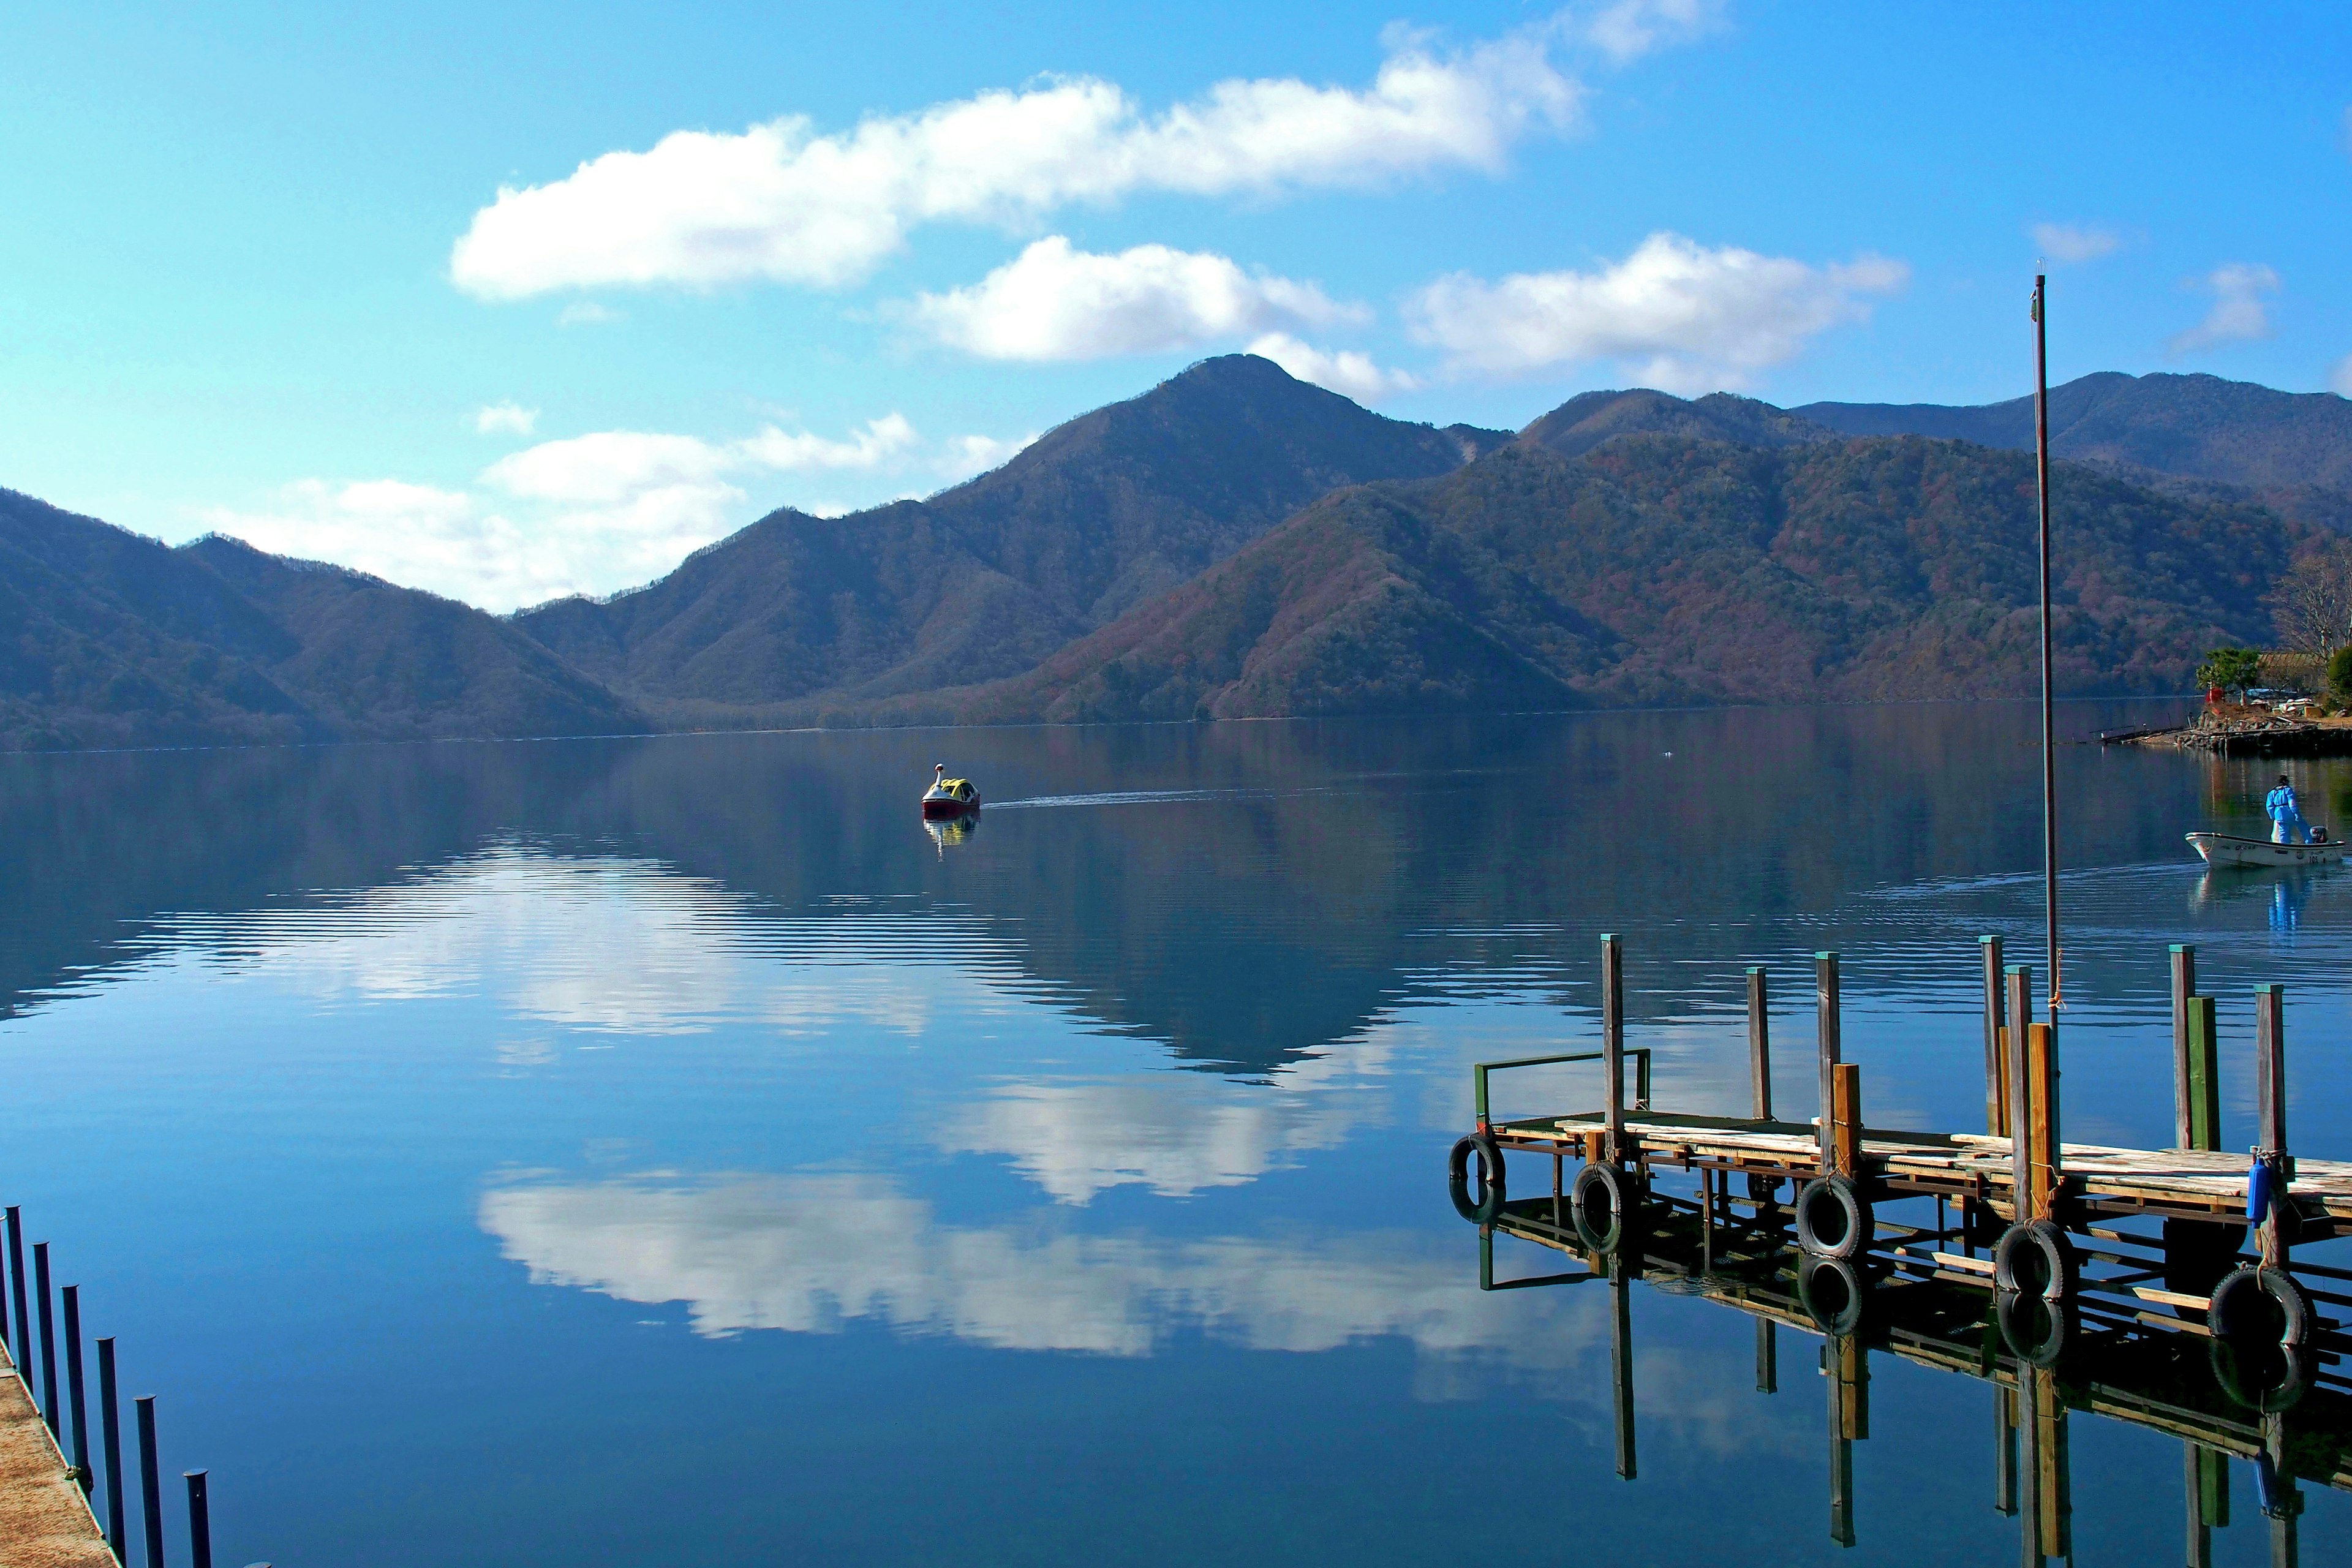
(258, 274)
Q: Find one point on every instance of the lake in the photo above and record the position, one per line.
(665, 1150)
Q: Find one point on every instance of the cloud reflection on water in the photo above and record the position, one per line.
(810, 1254)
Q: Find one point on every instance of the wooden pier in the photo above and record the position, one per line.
(45, 1521)
(2154, 1234)
(2099, 1356)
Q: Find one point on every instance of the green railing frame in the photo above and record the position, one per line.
(1640, 1055)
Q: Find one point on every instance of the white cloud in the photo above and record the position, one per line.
(1684, 317)
(1347, 372)
(2339, 380)
(2073, 243)
(1628, 29)
(506, 418)
(1056, 303)
(780, 203)
(585, 514)
(2240, 289)
(964, 456)
(414, 535)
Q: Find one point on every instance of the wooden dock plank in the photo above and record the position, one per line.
(2196, 1178)
(44, 1522)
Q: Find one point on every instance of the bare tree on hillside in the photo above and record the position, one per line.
(2312, 603)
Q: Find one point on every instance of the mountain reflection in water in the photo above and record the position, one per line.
(650, 1151)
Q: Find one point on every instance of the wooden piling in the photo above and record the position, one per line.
(2204, 1089)
(2184, 989)
(1767, 1356)
(1612, 1036)
(2270, 1067)
(1760, 1050)
(1825, 1004)
(2270, 1110)
(1620, 1358)
(1845, 1119)
(2053, 1484)
(2004, 1418)
(1847, 1364)
(2021, 1015)
(1996, 1093)
(2040, 1120)
(2206, 1473)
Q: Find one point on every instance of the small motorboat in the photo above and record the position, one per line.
(2219, 849)
(948, 797)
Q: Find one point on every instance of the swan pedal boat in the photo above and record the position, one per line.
(949, 797)
(2220, 849)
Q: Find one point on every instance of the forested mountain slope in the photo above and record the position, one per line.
(1662, 569)
(988, 578)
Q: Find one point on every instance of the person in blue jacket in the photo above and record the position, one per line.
(2286, 815)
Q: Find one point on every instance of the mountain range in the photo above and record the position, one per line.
(1237, 543)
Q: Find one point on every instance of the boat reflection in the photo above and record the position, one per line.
(2291, 1422)
(947, 830)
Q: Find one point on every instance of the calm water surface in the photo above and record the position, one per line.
(666, 1152)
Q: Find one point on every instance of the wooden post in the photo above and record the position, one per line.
(2184, 988)
(2270, 1108)
(2004, 1437)
(2021, 1015)
(1612, 1036)
(1848, 1365)
(2208, 1476)
(1825, 998)
(1845, 1100)
(2042, 1121)
(2054, 1505)
(1620, 1359)
(1760, 1050)
(1996, 1093)
(1767, 1356)
(2270, 1067)
(2204, 1076)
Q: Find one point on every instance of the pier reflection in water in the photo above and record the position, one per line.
(2288, 1428)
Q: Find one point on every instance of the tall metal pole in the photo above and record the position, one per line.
(2049, 720)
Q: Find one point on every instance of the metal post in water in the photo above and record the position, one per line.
(73, 1388)
(2049, 718)
(151, 1485)
(17, 1281)
(48, 1336)
(200, 1521)
(111, 1437)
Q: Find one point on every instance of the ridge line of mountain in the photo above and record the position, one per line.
(1232, 542)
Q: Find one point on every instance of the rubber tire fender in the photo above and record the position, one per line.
(2292, 1301)
(1846, 1319)
(2045, 1349)
(1853, 1210)
(1612, 1191)
(2064, 1268)
(2230, 1372)
(1490, 1178)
